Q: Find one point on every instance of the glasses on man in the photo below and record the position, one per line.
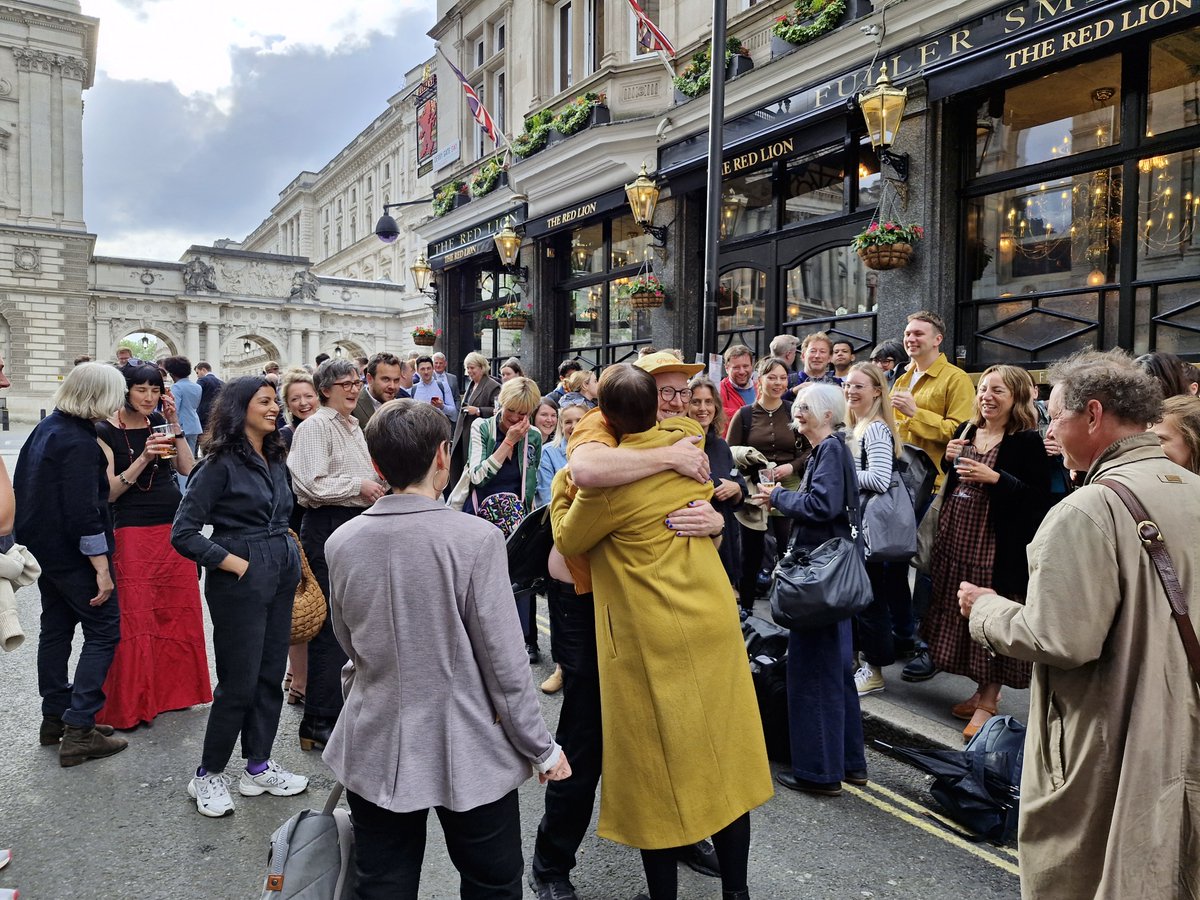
(669, 394)
(348, 386)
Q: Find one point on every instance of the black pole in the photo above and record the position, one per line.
(712, 211)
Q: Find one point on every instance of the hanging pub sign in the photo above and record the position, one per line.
(425, 100)
(470, 242)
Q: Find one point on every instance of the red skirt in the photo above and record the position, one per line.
(161, 662)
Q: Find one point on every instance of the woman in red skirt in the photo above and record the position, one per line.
(161, 662)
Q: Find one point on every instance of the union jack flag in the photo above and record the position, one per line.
(478, 110)
(648, 36)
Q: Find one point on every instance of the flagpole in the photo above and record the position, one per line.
(716, 135)
(662, 57)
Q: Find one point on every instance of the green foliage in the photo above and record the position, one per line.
(574, 116)
(148, 352)
(485, 180)
(443, 200)
(535, 135)
(696, 78)
(809, 19)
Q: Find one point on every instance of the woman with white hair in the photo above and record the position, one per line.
(823, 713)
(63, 518)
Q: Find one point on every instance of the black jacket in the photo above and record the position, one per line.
(820, 505)
(61, 484)
(1017, 503)
(210, 386)
(242, 496)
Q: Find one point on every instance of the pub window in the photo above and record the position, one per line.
(1069, 255)
(601, 326)
(813, 186)
(562, 46)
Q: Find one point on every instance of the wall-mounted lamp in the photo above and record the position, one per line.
(643, 197)
(883, 108)
(422, 274)
(247, 346)
(508, 245)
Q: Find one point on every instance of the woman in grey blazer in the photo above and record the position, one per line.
(477, 402)
(440, 710)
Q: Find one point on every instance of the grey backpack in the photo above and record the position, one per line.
(312, 855)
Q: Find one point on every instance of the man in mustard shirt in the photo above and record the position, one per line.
(930, 400)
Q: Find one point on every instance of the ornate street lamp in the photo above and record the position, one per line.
(422, 274)
(643, 197)
(883, 108)
(247, 346)
(337, 351)
(508, 245)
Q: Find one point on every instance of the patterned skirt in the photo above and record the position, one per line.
(965, 550)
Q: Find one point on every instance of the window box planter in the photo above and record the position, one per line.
(739, 65)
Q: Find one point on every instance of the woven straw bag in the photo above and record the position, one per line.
(309, 609)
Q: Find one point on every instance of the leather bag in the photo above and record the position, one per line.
(827, 584)
(889, 523)
(309, 608)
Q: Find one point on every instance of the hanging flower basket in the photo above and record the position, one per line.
(887, 245)
(886, 256)
(425, 336)
(644, 291)
(511, 316)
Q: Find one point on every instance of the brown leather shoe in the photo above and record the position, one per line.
(82, 744)
(51, 731)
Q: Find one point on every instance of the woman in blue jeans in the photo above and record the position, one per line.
(823, 713)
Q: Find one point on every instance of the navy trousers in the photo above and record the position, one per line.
(823, 713)
(252, 627)
(65, 597)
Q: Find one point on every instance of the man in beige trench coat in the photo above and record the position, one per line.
(1110, 795)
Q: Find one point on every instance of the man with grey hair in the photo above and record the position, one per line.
(1110, 793)
(784, 346)
(448, 378)
(334, 481)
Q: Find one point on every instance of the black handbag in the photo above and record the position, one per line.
(827, 584)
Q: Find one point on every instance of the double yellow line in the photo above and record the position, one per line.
(543, 624)
(903, 809)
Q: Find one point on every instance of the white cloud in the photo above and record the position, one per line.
(166, 244)
(188, 43)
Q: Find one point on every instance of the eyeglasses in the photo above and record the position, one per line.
(669, 394)
(800, 408)
(851, 386)
(348, 386)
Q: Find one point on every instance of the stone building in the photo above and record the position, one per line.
(1049, 149)
(234, 306)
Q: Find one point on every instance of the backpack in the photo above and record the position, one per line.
(312, 855)
(979, 787)
(918, 472)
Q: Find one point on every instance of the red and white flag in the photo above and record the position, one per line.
(478, 110)
(649, 37)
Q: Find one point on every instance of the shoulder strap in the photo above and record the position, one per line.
(1152, 540)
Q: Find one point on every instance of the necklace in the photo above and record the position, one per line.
(132, 456)
(984, 447)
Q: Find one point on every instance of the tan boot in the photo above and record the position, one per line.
(553, 684)
(51, 731)
(81, 744)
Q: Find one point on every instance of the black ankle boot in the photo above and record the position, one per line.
(314, 732)
(735, 895)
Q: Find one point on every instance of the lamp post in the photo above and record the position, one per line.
(712, 211)
(883, 108)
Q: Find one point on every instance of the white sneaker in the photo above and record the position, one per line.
(211, 793)
(274, 781)
(868, 680)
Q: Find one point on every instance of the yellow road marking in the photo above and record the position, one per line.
(908, 817)
(545, 631)
(543, 619)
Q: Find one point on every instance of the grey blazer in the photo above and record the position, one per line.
(484, 396)
(440, 705)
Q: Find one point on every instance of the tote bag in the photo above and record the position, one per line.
(889, 522)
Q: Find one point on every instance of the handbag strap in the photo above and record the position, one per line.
(1152, 541)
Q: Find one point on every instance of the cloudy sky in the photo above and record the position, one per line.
(203, 111)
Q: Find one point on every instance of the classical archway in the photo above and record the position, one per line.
(246, 354)
(346, 349)
(149, 344)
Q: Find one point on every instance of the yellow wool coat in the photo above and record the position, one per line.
(683, 744)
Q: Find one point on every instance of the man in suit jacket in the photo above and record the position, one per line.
(210, 386)
(447, 378)
(385, 375)
(478, 401)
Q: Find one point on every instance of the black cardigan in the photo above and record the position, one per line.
(1017, 503)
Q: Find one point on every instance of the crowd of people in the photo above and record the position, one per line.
(671, 496)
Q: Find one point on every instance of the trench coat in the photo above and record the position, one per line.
(1110, 792)
(684, 754)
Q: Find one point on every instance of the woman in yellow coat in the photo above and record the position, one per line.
(684, 755)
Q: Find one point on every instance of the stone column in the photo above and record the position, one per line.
(212, 335)
(36, 153)
(103, 340)
(192, 342)
(295, 348)
(314, 345)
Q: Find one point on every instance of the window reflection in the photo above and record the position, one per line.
(624, 322)
(1168, 215)
(742, 308)
(1174, 82)
(747, 204)
(630, 247)
(587, 250)
(832, 282)
(1050, 118)
(813, 186)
